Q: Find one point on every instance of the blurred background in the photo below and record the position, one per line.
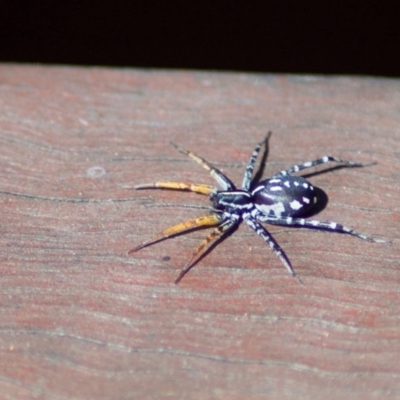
(312, 37)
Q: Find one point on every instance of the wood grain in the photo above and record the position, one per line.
(80, 319)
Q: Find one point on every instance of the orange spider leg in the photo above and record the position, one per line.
(216, 234)
(191, 187)
(222, 180)
(208, 220)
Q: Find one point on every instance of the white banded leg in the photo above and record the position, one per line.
(322, 160)
(274, 246)
(248, 174)
(312, 223)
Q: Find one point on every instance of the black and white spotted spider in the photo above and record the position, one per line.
(279, 200)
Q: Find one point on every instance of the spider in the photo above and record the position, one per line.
(281, 199)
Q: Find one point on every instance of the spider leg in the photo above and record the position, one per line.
(272, 243)
(221, 179)
(208, 220)
(191, 187)
(216, 234)
(322, 160)
(312, 223)
(248, 174)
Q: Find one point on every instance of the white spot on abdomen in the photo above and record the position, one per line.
(275, 209)
(295, 205)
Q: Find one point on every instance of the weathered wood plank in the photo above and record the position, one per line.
(80, 318)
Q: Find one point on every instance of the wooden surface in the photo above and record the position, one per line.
(80, 319)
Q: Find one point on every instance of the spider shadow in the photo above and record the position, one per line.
(260, 172)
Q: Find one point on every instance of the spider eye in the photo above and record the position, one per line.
(288, 196)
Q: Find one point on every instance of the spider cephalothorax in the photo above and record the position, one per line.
(279, 200)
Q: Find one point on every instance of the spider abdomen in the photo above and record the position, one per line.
(286, 196)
